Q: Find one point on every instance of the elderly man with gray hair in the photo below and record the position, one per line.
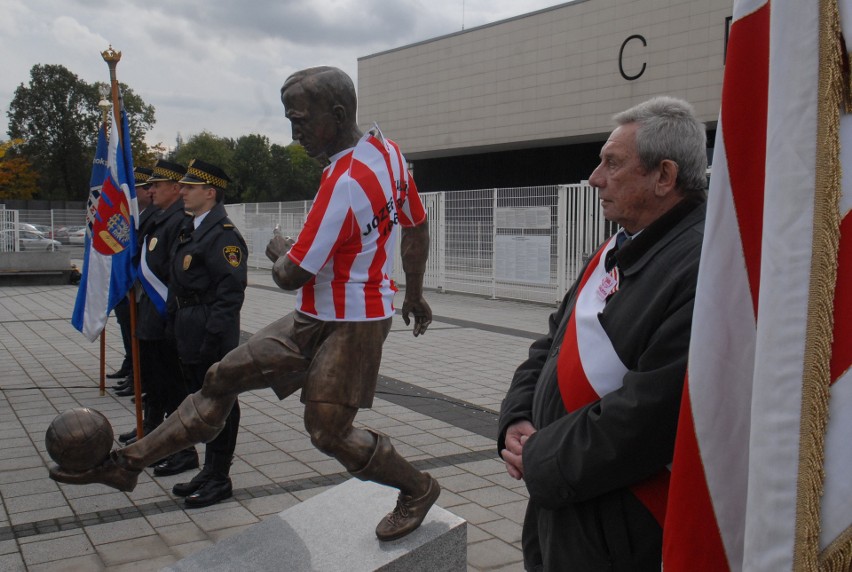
(590, 418)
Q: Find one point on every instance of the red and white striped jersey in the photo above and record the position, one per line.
(350, 233)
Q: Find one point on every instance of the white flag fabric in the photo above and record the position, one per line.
(762, 474)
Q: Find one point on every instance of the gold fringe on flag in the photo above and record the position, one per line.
(837, 557)
(816, 377)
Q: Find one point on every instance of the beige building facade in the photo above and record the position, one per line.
(541, 88)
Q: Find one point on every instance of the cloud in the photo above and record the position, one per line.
(337, 23)
(72, 35)
(14, 15)
(218, 65)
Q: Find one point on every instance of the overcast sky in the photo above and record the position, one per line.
(218, 65)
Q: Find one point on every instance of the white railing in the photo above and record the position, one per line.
(9, 240)
(257, 221)
(523, 243)
(526, 243)
(53, 224)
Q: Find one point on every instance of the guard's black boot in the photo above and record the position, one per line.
(213, 463)
(125, 437)
(212, 491)
(123, 371)
(123, 384)
(218, 485)
(186, 489)
(125, 391)
(181, 461)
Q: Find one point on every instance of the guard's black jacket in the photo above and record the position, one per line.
(161, 230)
(144, 222)
(208, 284)
(578, 465)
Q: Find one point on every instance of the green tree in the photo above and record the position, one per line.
(57, 115)
(251, 169)
(209, 148)
(259, 172)
(294, 174)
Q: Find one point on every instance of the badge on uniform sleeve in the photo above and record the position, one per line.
(233, 255)
(152, 244)
(187, 260)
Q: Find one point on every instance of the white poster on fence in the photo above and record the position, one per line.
(522, 258)
(527, 217)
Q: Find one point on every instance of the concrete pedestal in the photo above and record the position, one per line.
(28, 268)
(335, 531)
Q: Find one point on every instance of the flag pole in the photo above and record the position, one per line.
(112, 57)
(102, 384)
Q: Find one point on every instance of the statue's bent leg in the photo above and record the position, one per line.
(342, 378)
(370, 456)
(202, 415)
(194, 421)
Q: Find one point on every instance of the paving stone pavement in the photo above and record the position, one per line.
(437, 398)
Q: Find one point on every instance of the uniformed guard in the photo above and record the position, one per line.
(206, 294)
(158, 355)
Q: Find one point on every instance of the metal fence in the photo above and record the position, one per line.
(257, 221)
(9, 236)
(526, 243)
(39, 229)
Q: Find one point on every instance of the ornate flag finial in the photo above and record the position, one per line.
(110, 55)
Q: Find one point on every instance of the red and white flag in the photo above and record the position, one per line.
(762, 473)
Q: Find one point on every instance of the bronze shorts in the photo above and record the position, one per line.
(332, 362)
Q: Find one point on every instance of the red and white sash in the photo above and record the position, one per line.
(588, 366)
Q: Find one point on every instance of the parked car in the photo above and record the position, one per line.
(45, 229)
(28, 227)
(29, 240)
(62, 232)
(78, 236)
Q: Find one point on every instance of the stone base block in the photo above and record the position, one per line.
(34, 268)
(335, 531)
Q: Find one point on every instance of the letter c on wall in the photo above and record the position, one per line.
(621, 58)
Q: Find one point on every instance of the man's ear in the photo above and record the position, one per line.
(667, 177)
(340, 114)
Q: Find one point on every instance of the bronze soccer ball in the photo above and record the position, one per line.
(79, 439)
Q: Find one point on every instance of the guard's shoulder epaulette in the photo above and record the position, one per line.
(227, 225)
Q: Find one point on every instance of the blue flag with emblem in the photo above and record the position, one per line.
(111, 221)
